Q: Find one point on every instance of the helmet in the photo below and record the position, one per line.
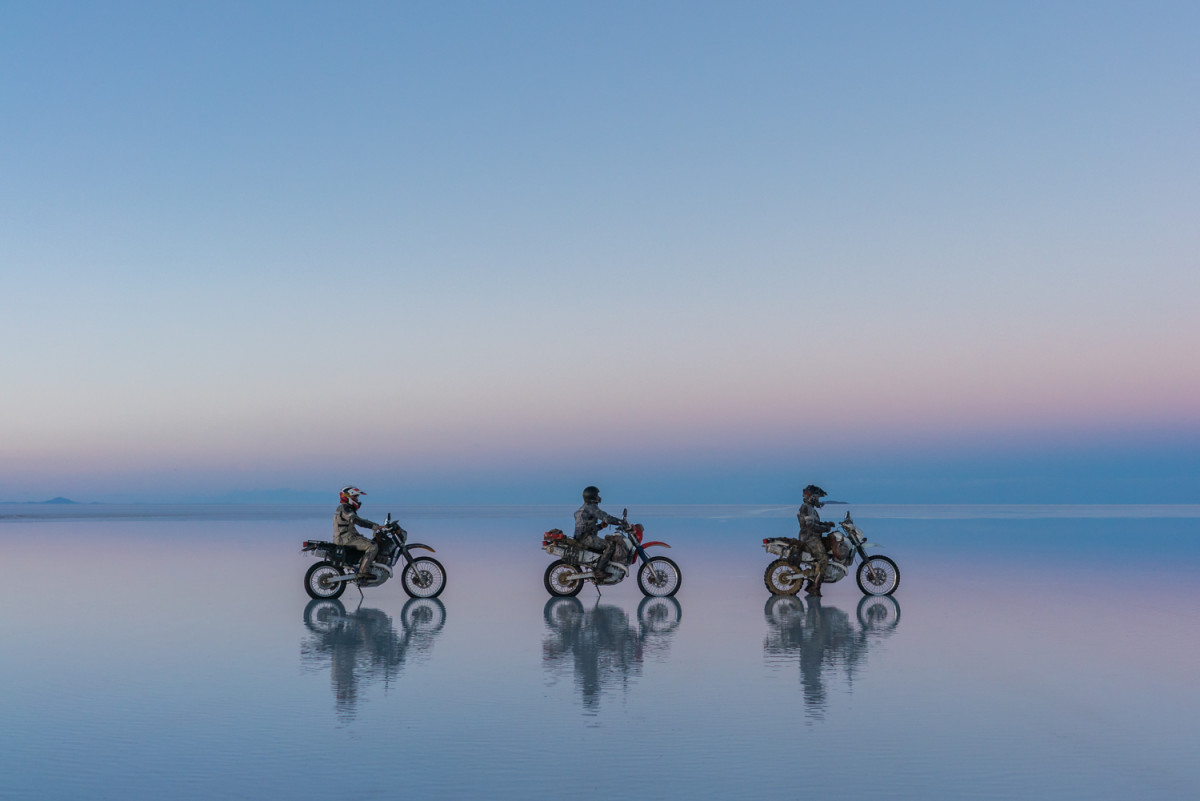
(813, 495)
(591, 495)
(350, 495)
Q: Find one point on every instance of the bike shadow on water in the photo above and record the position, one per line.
(824, 641)
(601, 647)
(362, 647)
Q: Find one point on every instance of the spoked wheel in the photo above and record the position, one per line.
(659, 615)
(878, 613)
(562, 614)
(424, 578)
(318, 584)
(784, 611)
(878, 576)
(660, 577)
(777, 581)
(558, 581)
(425, 615)
(325, 615)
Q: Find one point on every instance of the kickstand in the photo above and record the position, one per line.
(596, 584)
(361, 597)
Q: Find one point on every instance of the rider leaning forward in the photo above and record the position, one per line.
(589, 519)
(811, 529)
(344, 532)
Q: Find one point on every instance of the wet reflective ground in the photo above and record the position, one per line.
(178, 656)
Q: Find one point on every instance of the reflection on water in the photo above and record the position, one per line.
(362, 647)
(602, 647)
(824, 641)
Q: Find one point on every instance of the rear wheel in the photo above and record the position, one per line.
(558, 581)
(777, 581)
(318, 584)
(660, 577)
(878, 576)
(424, 578)
(325, 615)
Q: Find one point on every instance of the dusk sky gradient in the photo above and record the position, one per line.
(688, 251)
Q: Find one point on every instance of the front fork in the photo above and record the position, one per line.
(862, 554)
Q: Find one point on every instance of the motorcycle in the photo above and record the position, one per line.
(658, 576)
(877, 575)
(362, 647)
(603, 648)
(421, 577)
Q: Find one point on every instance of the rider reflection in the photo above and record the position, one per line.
(602, 647)
(362, 647)
(823, 640)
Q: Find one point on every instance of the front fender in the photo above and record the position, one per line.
(656, 542)
(412, 545)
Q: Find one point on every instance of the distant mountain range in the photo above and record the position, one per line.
(58, 500)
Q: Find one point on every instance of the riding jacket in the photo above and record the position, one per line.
(810, 522)
(589, 519)
(344, 520)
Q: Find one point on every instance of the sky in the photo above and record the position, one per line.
(471, 252)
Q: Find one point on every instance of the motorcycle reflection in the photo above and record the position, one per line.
(601, 646)
(362, 647)
(824, 641)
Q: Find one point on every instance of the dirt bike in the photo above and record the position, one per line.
(658, 576)
(421, 577)
(602, 647)
(362, 647)
(877, 575)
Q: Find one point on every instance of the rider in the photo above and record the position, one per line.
(345, 519)
(589, 519)
(811, 529)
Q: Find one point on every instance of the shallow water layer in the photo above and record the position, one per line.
(1025, 654)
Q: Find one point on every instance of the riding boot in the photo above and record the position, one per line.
(601, 568)
(364, 569)
(814, 588)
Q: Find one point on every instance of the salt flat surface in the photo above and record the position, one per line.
(1029, 652)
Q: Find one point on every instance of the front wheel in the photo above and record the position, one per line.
(878, 575)
(660, 577)
(423, 615)
(318, 584)
(559, 582)
(777, 581)
(424, 578)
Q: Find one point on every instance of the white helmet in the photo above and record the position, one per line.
(350, 495)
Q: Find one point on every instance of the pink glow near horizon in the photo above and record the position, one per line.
(756, 265)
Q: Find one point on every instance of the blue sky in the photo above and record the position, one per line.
(693, 251)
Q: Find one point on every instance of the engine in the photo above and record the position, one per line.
(379, 574)
(834, 571)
